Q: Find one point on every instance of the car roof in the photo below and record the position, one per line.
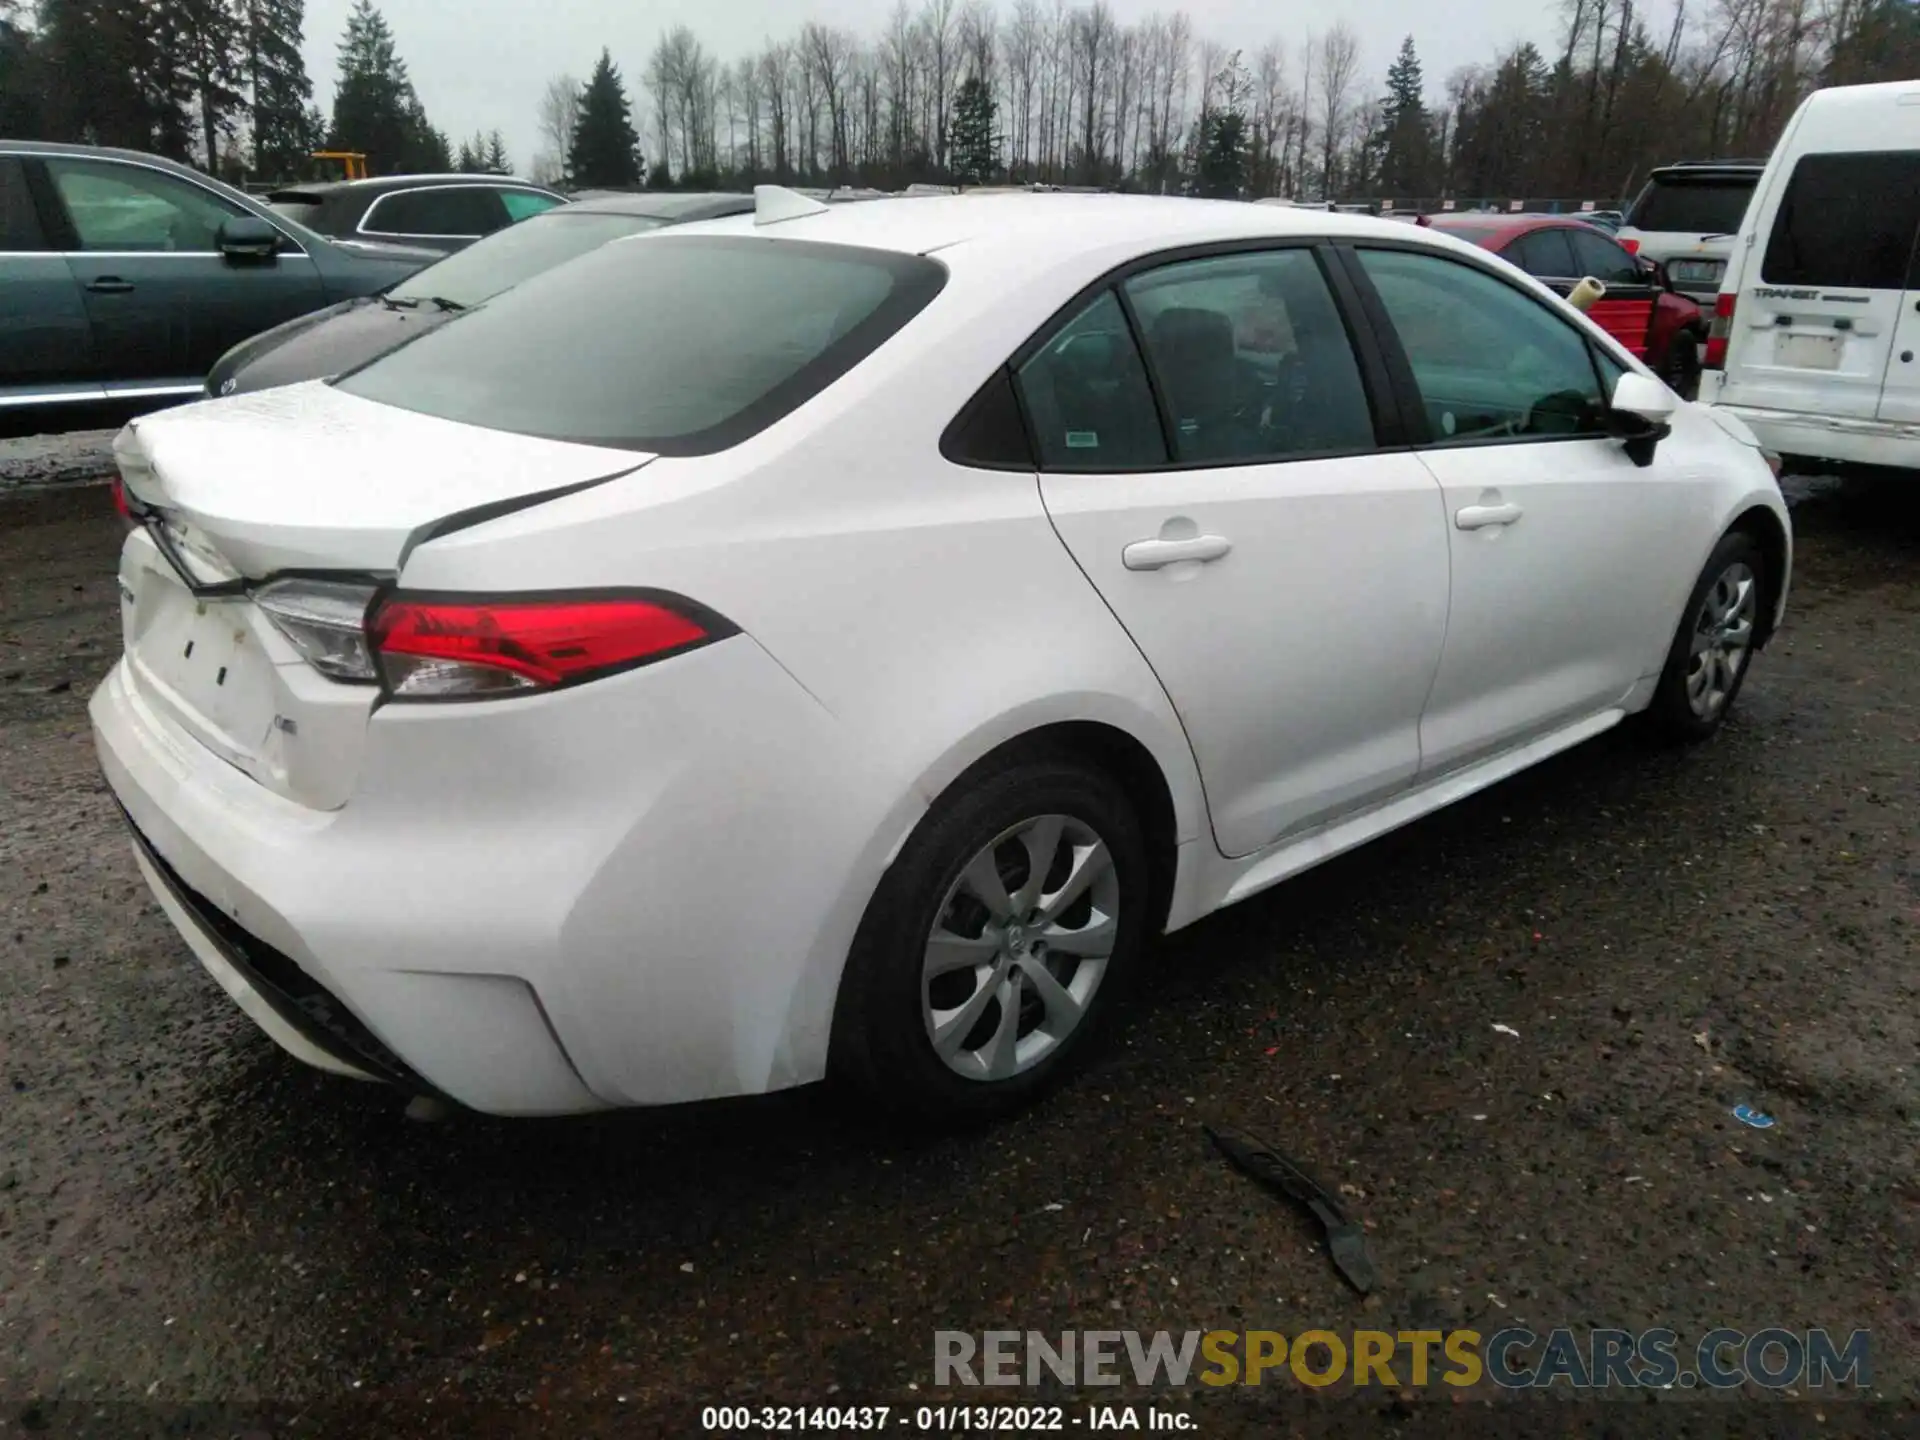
(663, 204)
(1492, 230)
(378, 183)
(1036, 228)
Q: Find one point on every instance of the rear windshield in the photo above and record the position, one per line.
(681, 345)
(519, 252)
(1847, 220)
(1693, 204)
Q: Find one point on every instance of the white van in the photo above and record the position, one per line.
(1816, 334)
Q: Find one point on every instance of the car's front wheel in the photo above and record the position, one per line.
(994, 944)
(1707, 663)
(1681, 368)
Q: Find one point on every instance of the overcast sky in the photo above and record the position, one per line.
(481, 64)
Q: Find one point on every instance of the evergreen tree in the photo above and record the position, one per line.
(95, 59)
(468, 162)
(285, 131)
(375, 109)
(493, 158)
(605, 153)
(22, 88)
(1405, 141)
(973, 145)
(1223, 154)
(200, 67)
(1220, 135)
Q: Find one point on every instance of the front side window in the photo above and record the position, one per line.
(522, 203)
(1251, 358)
(1491, 363)
(1605, 260)
(501, 261)
(1087, 398)
(129, 207)
(679, 345)
(1847, 220)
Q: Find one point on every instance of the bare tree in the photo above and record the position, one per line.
(943, 51)
(558, 110)
(827, 55)
(774, 69)
(1093, 37)
(1339, 65)
(1021, 46)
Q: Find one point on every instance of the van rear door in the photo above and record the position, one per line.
(1818, 315)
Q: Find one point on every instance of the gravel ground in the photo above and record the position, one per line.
(188, 1216)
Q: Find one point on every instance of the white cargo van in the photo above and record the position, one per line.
(1816, 333)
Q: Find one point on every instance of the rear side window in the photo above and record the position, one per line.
(1087, 396)
(1693, 204)
(1252, 358)
(453, 213)
(679, 345)
(19, 221)
(1847, 220)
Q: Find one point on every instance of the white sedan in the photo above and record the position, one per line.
(836, 642)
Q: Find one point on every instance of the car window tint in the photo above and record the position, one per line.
(1605, 260)
(1847, 220)
(522, 203)
(129, 207)
(681, 345)
(1252, 358)
(1491, 362)
(1544, 253)
(19, 221)
(451, 212)
(1087, 397)
(517, 253)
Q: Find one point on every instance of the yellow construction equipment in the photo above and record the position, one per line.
(352, 162)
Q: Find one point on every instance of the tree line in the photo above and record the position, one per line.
(962, 91)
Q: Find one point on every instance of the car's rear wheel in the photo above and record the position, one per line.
(995, 944)
(1713, 648)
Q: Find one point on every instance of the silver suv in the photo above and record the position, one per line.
(1687, 216)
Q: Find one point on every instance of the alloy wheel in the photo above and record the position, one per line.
(1722, 640)
(1021, 943)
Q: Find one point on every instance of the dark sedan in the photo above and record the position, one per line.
(352, 333)
(436, 212)
(123, 276)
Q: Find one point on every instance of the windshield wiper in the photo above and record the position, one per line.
(444, 303)
(393, 304)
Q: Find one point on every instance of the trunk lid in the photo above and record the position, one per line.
(307, 477)
(304, 479)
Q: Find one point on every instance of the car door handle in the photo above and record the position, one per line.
(1479, 517)
(1154, 554)
(109, 285)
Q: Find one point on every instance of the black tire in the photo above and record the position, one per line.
(1681, 368)
(1673, 715)
(881, 1044)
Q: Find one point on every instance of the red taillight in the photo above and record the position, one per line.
(1632, 247)
(120, 505)
(470, 648)
(1719, 332)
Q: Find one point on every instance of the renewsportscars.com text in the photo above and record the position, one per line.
(1512, 1358)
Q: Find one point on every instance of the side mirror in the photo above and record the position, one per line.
(1639, 413)
(245, 239)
